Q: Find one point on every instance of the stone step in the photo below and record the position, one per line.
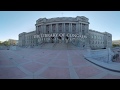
(48, 45)
(58, 46)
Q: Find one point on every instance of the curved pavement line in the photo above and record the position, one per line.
(103, 66)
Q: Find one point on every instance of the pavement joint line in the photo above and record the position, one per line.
(24, 70)
(41, 77)
(46, 66)
(24, 63)
(98, 76)
(7, 66)
(73, 74)
(39, 62)
(27, 77)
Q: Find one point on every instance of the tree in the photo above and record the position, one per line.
(6, 43)
(115, 45)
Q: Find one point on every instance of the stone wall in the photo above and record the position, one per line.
(104, 55)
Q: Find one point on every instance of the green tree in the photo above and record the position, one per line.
(6, 43)
(115, 45)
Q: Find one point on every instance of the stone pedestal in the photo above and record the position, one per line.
(110, 55)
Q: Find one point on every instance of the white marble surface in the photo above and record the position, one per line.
(104, 55)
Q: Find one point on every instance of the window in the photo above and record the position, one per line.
(83, 32)
(92, 36)
(74, 28)
(60, 28)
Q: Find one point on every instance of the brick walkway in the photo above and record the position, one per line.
(50, 64)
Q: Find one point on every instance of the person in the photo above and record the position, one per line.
(83, 45)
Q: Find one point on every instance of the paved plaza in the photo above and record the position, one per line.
(31, 63)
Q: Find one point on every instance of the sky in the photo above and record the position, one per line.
(12, 23)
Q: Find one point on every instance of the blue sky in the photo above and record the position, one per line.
(14, 22)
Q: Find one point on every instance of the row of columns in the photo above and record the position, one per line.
(78, 27)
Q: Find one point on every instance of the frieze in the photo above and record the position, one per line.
(59, 19)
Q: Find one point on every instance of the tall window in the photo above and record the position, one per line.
(83, 32)
(53, 28)
(60, 28)
(47, 29)
(74, 28)
(66, 27)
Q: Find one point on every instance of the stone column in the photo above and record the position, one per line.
(45, 32)
(51, 28)
(44, 29)
(87, 27)
(71, 27)
(64, 27)
(37, 39)
(56, 31)
(79, 28)
(36, 29)
(39, 29)
(57, 27)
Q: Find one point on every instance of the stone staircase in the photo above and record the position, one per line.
(71, 46)
(48, 45)
(59, 46)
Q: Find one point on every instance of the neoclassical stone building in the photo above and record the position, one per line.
(66, 25)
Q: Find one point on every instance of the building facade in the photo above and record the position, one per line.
(12, 42)
(66, 25)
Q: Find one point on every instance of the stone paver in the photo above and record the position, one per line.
(11, 73)
(31, 63)
(33, 66)
(56, 73)
(87, 71)
(109, 76)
